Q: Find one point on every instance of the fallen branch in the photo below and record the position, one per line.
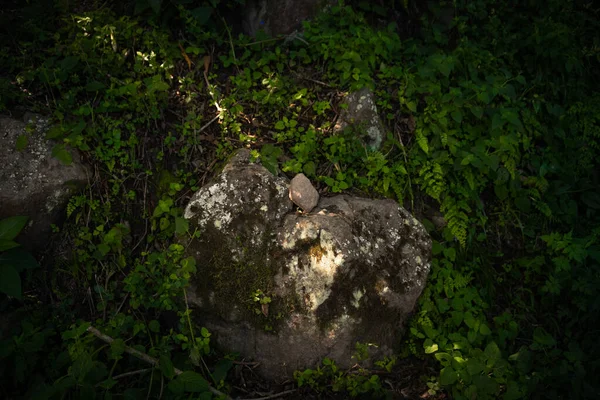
(145, 357)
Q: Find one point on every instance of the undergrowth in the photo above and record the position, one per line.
(493, 119)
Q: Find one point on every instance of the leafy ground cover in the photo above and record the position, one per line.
(493, 116)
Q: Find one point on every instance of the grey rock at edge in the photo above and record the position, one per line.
(32, 182)
(350, 271)
(362, 113)
(278, 17)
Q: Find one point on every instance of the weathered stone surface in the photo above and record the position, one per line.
(289, 289)
(277, 17)
(32, 182)
(362, 114)
(303, 193)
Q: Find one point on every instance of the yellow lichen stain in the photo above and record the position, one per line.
(316, 252)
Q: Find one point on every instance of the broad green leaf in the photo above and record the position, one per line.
(94, 86)
(202, 14)
(477, 111)
(103, 248)
(155, 5)
(221, 369)
(501, 191)
(10, 281)
(69, 63)
(11, 226)
(188, 382)
(512, 117)
(8, 244)
(448, 376)
(61, 153)
(457, 116)
(474, 366)
(117, 347)
(156, 84)
(310, 169)
(484, 330)
(429, 346)
(280, 125)
(444, 358)
(154, 326)
(21, 143)
(164, 223)
(497, 121)
(166, 367)
(523, 203)
(55, 132)
(450, 253)
(543, 338)
(19, 259)
(492, 351)
(412, 106)
(181, 225)
(81, 366)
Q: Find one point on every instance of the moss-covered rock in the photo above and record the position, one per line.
(289, 289)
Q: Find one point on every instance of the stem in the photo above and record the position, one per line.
(145, 357)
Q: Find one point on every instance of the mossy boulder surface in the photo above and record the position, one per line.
(289, 288)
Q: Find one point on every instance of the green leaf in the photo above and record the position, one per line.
(60, 152)
(10, 281)
(429, 346)
(501, 191)
(181, 225)
(448, 376)
(477, 111)
(422, 141)
(154, 326)
(484, 330)
(188, 382)
(221, 369)
(156, 84)
(94, 86)
(444, 358)
(19, 259)
(11, 226)
(202, 14)
(280, 125)
(450, 253)
(117, 347)
(22, 142)
(55, 132)
(543, 338)
(8, 244)
(166, 367)
(492, 351)
(457, 116)
(412, 106)
(474, 366)
(523, 203)
(69, 63)
(155, 4)
(497, 121)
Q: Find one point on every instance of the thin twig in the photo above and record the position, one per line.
(131, 373)
(145, 357)
(208, 123)
(274, 396)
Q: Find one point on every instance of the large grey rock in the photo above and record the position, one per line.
(288, 289)
(277, 17)
(32, 182)
(362, 114)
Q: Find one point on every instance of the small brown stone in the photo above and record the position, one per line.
(303, 193)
